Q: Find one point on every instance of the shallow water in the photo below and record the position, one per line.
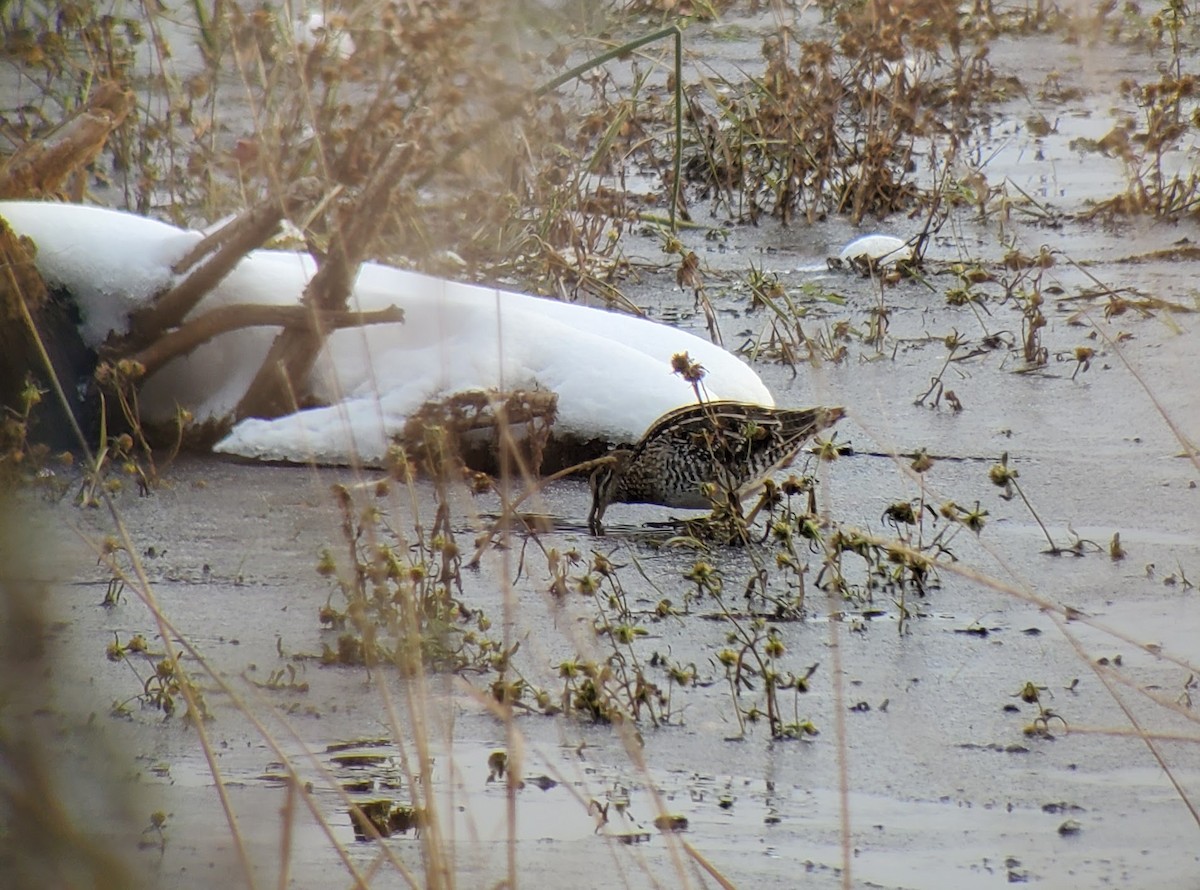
(942, 787)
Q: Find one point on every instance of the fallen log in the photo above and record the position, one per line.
(43, 166)
(39, 344)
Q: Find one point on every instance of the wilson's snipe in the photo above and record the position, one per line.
(729, 445)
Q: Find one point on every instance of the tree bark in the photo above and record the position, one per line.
(227, 247)
(39, 341)
(219, 321)
(42, 167)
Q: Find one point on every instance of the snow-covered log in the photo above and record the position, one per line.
(611, 372)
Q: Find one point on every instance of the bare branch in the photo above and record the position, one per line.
(200, 330)
(284, 372)
(228, 245)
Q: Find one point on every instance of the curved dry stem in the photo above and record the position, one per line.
(1150, 743)
(251, 714)
(151, 603)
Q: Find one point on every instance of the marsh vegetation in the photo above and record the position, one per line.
(967, 615)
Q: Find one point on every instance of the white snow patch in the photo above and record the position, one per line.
(112, 262)
(880, 249)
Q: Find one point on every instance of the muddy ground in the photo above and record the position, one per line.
(922, 766)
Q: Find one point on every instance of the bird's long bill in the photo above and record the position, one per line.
(827, 417)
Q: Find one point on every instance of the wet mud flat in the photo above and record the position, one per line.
(923, 772)
(944, 787)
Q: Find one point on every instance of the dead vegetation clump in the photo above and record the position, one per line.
(505, 175)
(836, 125)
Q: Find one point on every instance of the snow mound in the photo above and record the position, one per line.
(612, 372)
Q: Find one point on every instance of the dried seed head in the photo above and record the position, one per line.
(1002, 475)
(683, 365)
(921, 462)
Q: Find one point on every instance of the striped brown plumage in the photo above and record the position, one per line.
(731, 445)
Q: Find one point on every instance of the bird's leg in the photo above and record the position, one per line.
(485, 540)
(595, 526)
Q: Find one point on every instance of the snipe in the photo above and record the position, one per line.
(690, 452)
